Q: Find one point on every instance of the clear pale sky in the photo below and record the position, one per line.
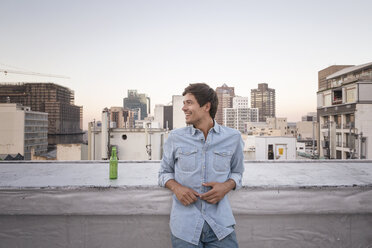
(160, 46)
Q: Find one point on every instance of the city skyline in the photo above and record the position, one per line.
(159, 47)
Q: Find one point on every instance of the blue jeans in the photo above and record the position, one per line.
(207, 240)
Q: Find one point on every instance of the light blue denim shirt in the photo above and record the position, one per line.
(191, 160)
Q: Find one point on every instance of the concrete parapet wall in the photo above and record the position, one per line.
(296, 204)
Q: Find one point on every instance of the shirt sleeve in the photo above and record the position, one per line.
(166, 171)
(237, 164)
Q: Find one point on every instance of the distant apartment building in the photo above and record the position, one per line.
(239, 114)
(225, 95)
(279, 123)
(306, 129)
(123, 118)
(311, 116)
(344, 108)
(263, 98)
(136, 100)
(240, 102)
(307, 132)
(117, 117)
(22, 130)
(163, 114)
(259, 129)
(64, 118)
(292, 129)
(237, 117)
(271, 127)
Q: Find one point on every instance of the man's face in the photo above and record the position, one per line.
(194, 114)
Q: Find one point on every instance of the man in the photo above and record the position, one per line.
(201, 164)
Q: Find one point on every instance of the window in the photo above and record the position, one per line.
(327, 100)
(350, 95)
(337, 96)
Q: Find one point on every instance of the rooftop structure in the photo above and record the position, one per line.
(269, 148)
(282, 204)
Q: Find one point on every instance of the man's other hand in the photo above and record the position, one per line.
(218, 191)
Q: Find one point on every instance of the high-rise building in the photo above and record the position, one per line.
(22, 130)
(225, 95)
(64, 118)
(344, 108)
(136, 100)
(263, 98)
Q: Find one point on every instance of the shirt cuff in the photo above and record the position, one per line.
(165, 178)
(237, 177)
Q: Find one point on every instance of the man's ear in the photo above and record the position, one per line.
(207, 106)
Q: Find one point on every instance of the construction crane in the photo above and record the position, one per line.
(31, 73)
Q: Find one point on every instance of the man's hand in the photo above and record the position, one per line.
(218, 191)
(184, 194)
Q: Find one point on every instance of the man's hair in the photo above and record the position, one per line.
(203, 94)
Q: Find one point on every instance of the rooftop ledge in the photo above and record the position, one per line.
(282, 204)
(268, 187)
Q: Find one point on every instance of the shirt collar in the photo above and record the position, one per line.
(216, 127)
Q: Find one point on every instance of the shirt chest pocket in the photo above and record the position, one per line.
(187, 159)
(221, 160)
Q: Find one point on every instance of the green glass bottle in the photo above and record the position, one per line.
(113, 164)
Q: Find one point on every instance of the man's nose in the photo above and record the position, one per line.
(184, 108)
